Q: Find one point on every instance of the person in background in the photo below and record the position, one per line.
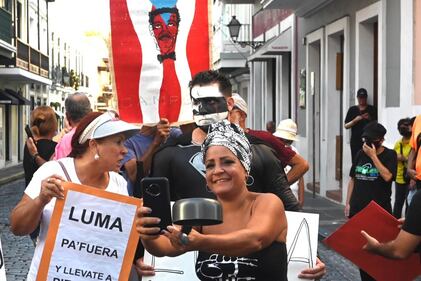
(77, 106)
(356, 118)
(141, 148)
(414, 158)
(287, 156)
(287, 132)
(371, 175)
(271, 127)
(37, 151)
(402, 182)
(97, 149)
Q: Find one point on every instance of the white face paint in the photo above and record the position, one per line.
(209, 105)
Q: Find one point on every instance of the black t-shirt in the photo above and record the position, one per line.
(357, 129)
(182, 164)
(369, 184)
(45, 149)
(267, 264)
(412, 221)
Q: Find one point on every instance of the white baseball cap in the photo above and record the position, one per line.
(107, 125)
(287, 129)
(240, 103)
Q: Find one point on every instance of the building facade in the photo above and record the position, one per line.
(316, 55)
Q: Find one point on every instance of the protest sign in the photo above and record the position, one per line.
(302, 235)
(2, 266)
(348, 241)
(157, 46)
(301, 246)
(91, 236)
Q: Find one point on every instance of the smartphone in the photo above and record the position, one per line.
(156, 195)
(29, 132)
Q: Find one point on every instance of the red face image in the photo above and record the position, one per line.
(165, 34)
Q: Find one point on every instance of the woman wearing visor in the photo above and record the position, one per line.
(97, 150)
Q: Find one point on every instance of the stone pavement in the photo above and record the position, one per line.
(17, 251)
(331, 217)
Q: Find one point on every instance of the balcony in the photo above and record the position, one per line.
(31, 59)
(5, 26)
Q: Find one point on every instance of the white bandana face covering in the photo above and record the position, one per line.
(209, 105)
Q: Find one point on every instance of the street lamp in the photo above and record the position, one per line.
(234, 29)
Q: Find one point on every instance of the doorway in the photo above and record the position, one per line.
(314, 85)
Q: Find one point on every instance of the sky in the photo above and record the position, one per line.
(75, 17)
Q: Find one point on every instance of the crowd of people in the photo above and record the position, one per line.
(255, 175)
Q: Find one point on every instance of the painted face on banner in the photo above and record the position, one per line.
(165, 32)
(209, 105)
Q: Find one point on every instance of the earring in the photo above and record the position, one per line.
(96, 156)
(249, 180)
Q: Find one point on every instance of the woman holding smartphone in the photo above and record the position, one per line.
(250, 243)
(97, 151)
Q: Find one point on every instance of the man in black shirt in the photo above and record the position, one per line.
(183, 165)
(372, 174)
(357, 117)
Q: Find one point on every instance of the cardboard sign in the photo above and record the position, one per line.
(377, 222)
(2, 266)
(91, 236)
(157, 46)
(301, 246)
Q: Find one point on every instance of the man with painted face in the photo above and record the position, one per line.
(183, 165)
(372, 174)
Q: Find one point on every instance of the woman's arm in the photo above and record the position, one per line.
(348, 197)
(156, 244)
(267, 224)
(25, 217)
(400, 248)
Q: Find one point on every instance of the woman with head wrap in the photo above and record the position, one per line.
(250, 243)
(97, 150)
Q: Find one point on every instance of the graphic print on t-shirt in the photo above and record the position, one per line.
(197, 162)
(366, 172)
(219, 267)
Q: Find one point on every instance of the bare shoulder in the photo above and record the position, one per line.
(268, 201)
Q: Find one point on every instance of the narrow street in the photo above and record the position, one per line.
(18, 251)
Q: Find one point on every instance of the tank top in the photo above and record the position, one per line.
(267, 264)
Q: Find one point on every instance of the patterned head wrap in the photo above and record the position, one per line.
(231, 136)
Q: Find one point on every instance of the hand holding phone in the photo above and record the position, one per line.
(29, 132)
(156, 195)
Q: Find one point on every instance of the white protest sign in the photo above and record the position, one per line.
(91, 236)
(303, 231)
(2, 266)
(181, 268)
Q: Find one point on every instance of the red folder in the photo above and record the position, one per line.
(377, 222)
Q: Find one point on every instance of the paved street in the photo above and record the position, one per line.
(18, 250)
